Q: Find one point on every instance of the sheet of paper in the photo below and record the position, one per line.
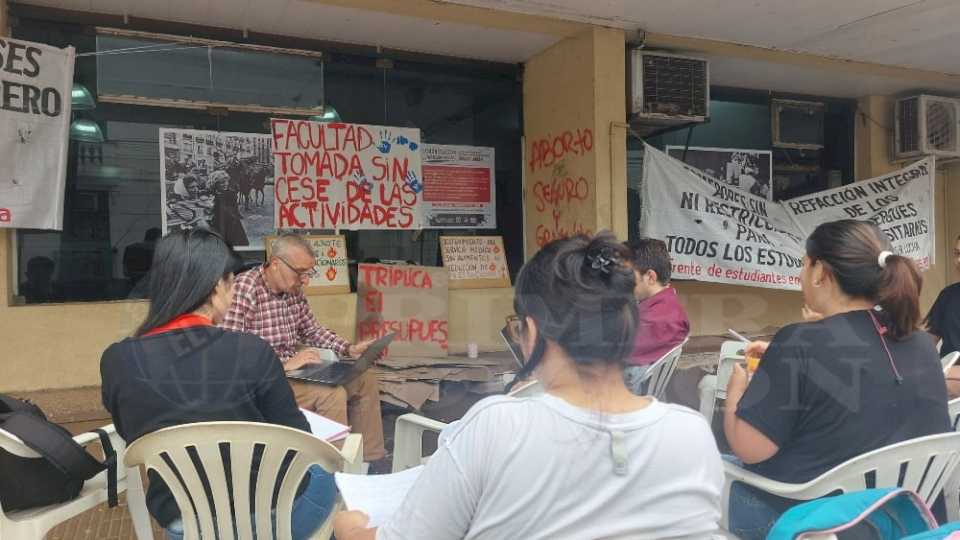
(379, 496)
(325, 428)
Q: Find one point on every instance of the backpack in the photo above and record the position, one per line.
(872, 514)
(58, 475)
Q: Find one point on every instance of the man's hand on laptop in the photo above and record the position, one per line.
(302, 358)
(357, 349)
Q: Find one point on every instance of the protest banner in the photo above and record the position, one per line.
(35, 98)
(475, 262)
(346, 176)
(331, 264)
(406, 299)
(715, 232)
(219, 180)
(459, 187)
(721, 234)
(900, 203)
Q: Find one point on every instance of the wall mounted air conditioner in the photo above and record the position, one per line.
(797, 124)
(926, 125)
(667, 90)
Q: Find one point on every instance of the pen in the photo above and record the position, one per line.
(737, 335)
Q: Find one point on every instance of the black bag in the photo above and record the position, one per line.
(56, 477)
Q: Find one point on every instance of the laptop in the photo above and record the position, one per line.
(341, 373)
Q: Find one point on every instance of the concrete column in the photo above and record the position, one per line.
(574, 107)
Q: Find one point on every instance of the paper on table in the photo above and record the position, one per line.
(325, 428)
(378, 496)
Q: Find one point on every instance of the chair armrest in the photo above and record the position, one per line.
(408, 439)
(352, 453)
(734, 473)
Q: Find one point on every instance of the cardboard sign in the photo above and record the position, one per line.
(459, 187)
(409, 300)
(35, 99)
(475, 262)
(331, 263)
(346, 176)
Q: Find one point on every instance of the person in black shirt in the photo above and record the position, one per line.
(861, 378)
(943, 322)
(180, 368)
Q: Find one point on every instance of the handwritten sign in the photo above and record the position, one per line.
(409, 300)
(331, 264)
(459, 187)
(475, 262)
(346, 176)
(558, 187)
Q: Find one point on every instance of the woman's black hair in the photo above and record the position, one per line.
(850, 250)
(579, 291)
(187, 265)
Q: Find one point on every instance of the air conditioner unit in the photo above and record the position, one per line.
(926, 125)
(797, 124)
(667, 90)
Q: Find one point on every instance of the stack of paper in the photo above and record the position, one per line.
(325, 428)
(378, 496)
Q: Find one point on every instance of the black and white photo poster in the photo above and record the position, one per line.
(218, 180)
(748, 170)
(35, 85)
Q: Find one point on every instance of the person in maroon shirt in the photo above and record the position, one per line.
(663, 323)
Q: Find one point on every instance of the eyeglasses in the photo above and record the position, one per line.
(514, 328)
(311, 273)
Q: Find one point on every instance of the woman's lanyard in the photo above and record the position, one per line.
(881, 330)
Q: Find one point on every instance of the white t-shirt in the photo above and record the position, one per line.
(539, 467)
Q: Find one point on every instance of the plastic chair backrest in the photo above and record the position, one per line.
(921, 465)
(731, 352)
(953, 408)
(656, 379)
(949, 360)
(168, 452)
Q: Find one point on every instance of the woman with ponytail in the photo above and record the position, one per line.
(588, 459)
(861, 378)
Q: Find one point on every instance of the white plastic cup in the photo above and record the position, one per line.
(472, 351)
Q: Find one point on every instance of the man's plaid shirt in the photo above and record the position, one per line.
(282, 320)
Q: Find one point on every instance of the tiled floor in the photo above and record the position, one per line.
(100, 523)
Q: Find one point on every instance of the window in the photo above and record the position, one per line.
(741, 119)
(112, 203)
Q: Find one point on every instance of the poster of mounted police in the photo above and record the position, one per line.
(218, 180)
(719, 233)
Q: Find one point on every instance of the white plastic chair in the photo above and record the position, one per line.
(408, 440)
(657, 378)
(952, 491)
(714, 387)
(204, 440)
(949, 360)
(953, 407)
(36, 522)
(926, 462)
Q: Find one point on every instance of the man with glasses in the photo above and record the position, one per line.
(268, 301)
